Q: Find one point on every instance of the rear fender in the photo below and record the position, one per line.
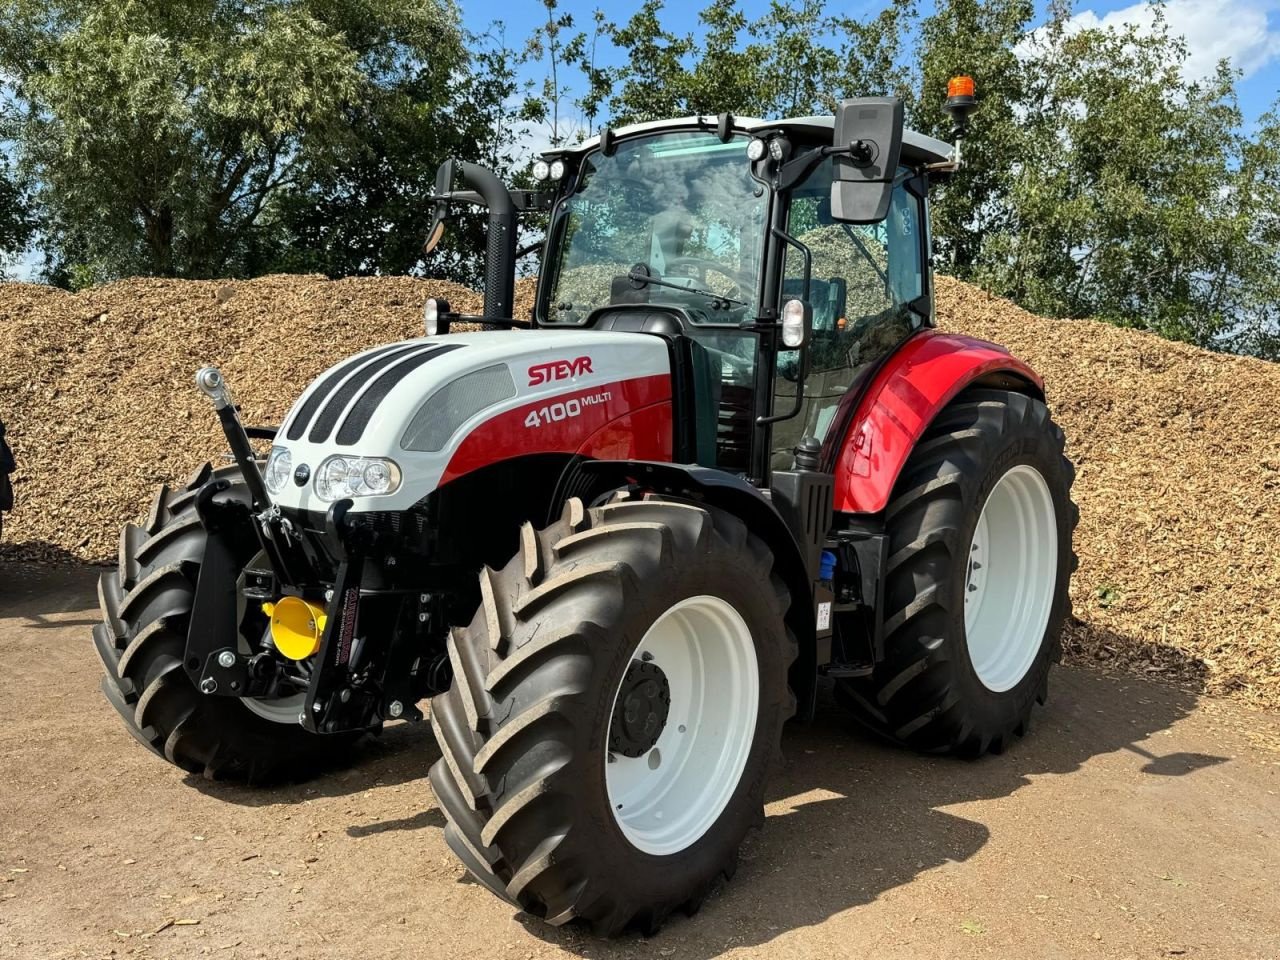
(906, 394)
(731, 493)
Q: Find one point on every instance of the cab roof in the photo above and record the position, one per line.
(917, 148)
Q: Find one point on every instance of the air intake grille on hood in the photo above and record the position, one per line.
(299, 425)
(362, 411)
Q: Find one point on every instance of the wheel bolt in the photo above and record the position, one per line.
(395, 708)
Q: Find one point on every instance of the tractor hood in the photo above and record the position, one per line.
(420, 413)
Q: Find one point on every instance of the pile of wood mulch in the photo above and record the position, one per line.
(1178, 450)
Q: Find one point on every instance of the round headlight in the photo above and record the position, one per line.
(377, 478)
(756, 149)
(541, 170)
(331, 479)
(279, 469)
(557, 170)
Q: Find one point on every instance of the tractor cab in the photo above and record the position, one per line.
(707, 231)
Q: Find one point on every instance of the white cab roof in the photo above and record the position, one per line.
(916, 147)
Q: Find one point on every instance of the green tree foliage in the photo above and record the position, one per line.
(158, 135)
(363, 207)
(1099, 180)
(15, 216)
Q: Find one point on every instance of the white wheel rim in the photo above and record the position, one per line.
(1011, 577)
(666, 799)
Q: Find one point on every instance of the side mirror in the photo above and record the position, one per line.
(445, 175)
(436, 233)
(868, 132)
(797, 324)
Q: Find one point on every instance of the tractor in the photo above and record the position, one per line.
(727, 463)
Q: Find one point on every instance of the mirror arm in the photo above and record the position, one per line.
(803, 366)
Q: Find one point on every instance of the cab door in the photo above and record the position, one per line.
(869, 293)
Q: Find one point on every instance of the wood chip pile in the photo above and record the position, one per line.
(1178, 450)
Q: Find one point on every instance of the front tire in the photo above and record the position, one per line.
(597, 763)
(976, 581)
(146, 608)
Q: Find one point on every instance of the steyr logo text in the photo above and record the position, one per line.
(558, 370)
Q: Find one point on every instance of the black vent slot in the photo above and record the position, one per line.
(328, 418)
(353, 427)
(299, 425)
(805, 499)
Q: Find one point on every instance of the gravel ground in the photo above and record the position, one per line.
(1178, 449)
(1134, 821)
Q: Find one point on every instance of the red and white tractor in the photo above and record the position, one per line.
(621, 542)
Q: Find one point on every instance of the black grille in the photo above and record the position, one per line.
(338, 402)
(299, 425)
(353, 427)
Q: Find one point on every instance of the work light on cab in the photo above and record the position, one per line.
(435, 313)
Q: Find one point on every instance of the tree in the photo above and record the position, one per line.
(159, 135)
(978, 39)
(364, 208)
(15, 216)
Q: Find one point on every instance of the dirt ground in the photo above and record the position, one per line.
(1136, 820)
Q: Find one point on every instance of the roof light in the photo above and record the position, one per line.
(541, 170)
(557, 169)
(961, 86)
(756, 149)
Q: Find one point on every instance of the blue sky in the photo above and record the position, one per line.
(1246, 31)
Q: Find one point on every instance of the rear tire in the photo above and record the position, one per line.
(988, 479)
(530, 724)
(146, 608)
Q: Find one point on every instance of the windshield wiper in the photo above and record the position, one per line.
(640, 280)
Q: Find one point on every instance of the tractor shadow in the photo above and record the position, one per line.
(850, 817)
(402, 753)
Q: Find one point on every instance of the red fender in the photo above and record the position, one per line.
(908, 391)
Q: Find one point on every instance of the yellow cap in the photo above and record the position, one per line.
(296, 626)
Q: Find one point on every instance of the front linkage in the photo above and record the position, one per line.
(351, 683)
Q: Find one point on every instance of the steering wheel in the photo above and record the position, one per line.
(700, 268)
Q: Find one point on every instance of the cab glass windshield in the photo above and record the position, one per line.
(681, 207)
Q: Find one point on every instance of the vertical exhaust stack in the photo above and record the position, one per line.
(500, 250)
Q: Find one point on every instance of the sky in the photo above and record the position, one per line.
(1245, 31)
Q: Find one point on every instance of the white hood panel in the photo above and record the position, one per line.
(363, 406)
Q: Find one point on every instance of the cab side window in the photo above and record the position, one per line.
(864, 276)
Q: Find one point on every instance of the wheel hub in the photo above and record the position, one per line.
(640, 711)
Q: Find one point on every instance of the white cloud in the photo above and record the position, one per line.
(1235, 30)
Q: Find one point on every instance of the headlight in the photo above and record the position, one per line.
(557, 170)
(279, 469)
(342, 477)
(541, 170)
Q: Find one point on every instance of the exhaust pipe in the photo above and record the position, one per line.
(500, 248)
